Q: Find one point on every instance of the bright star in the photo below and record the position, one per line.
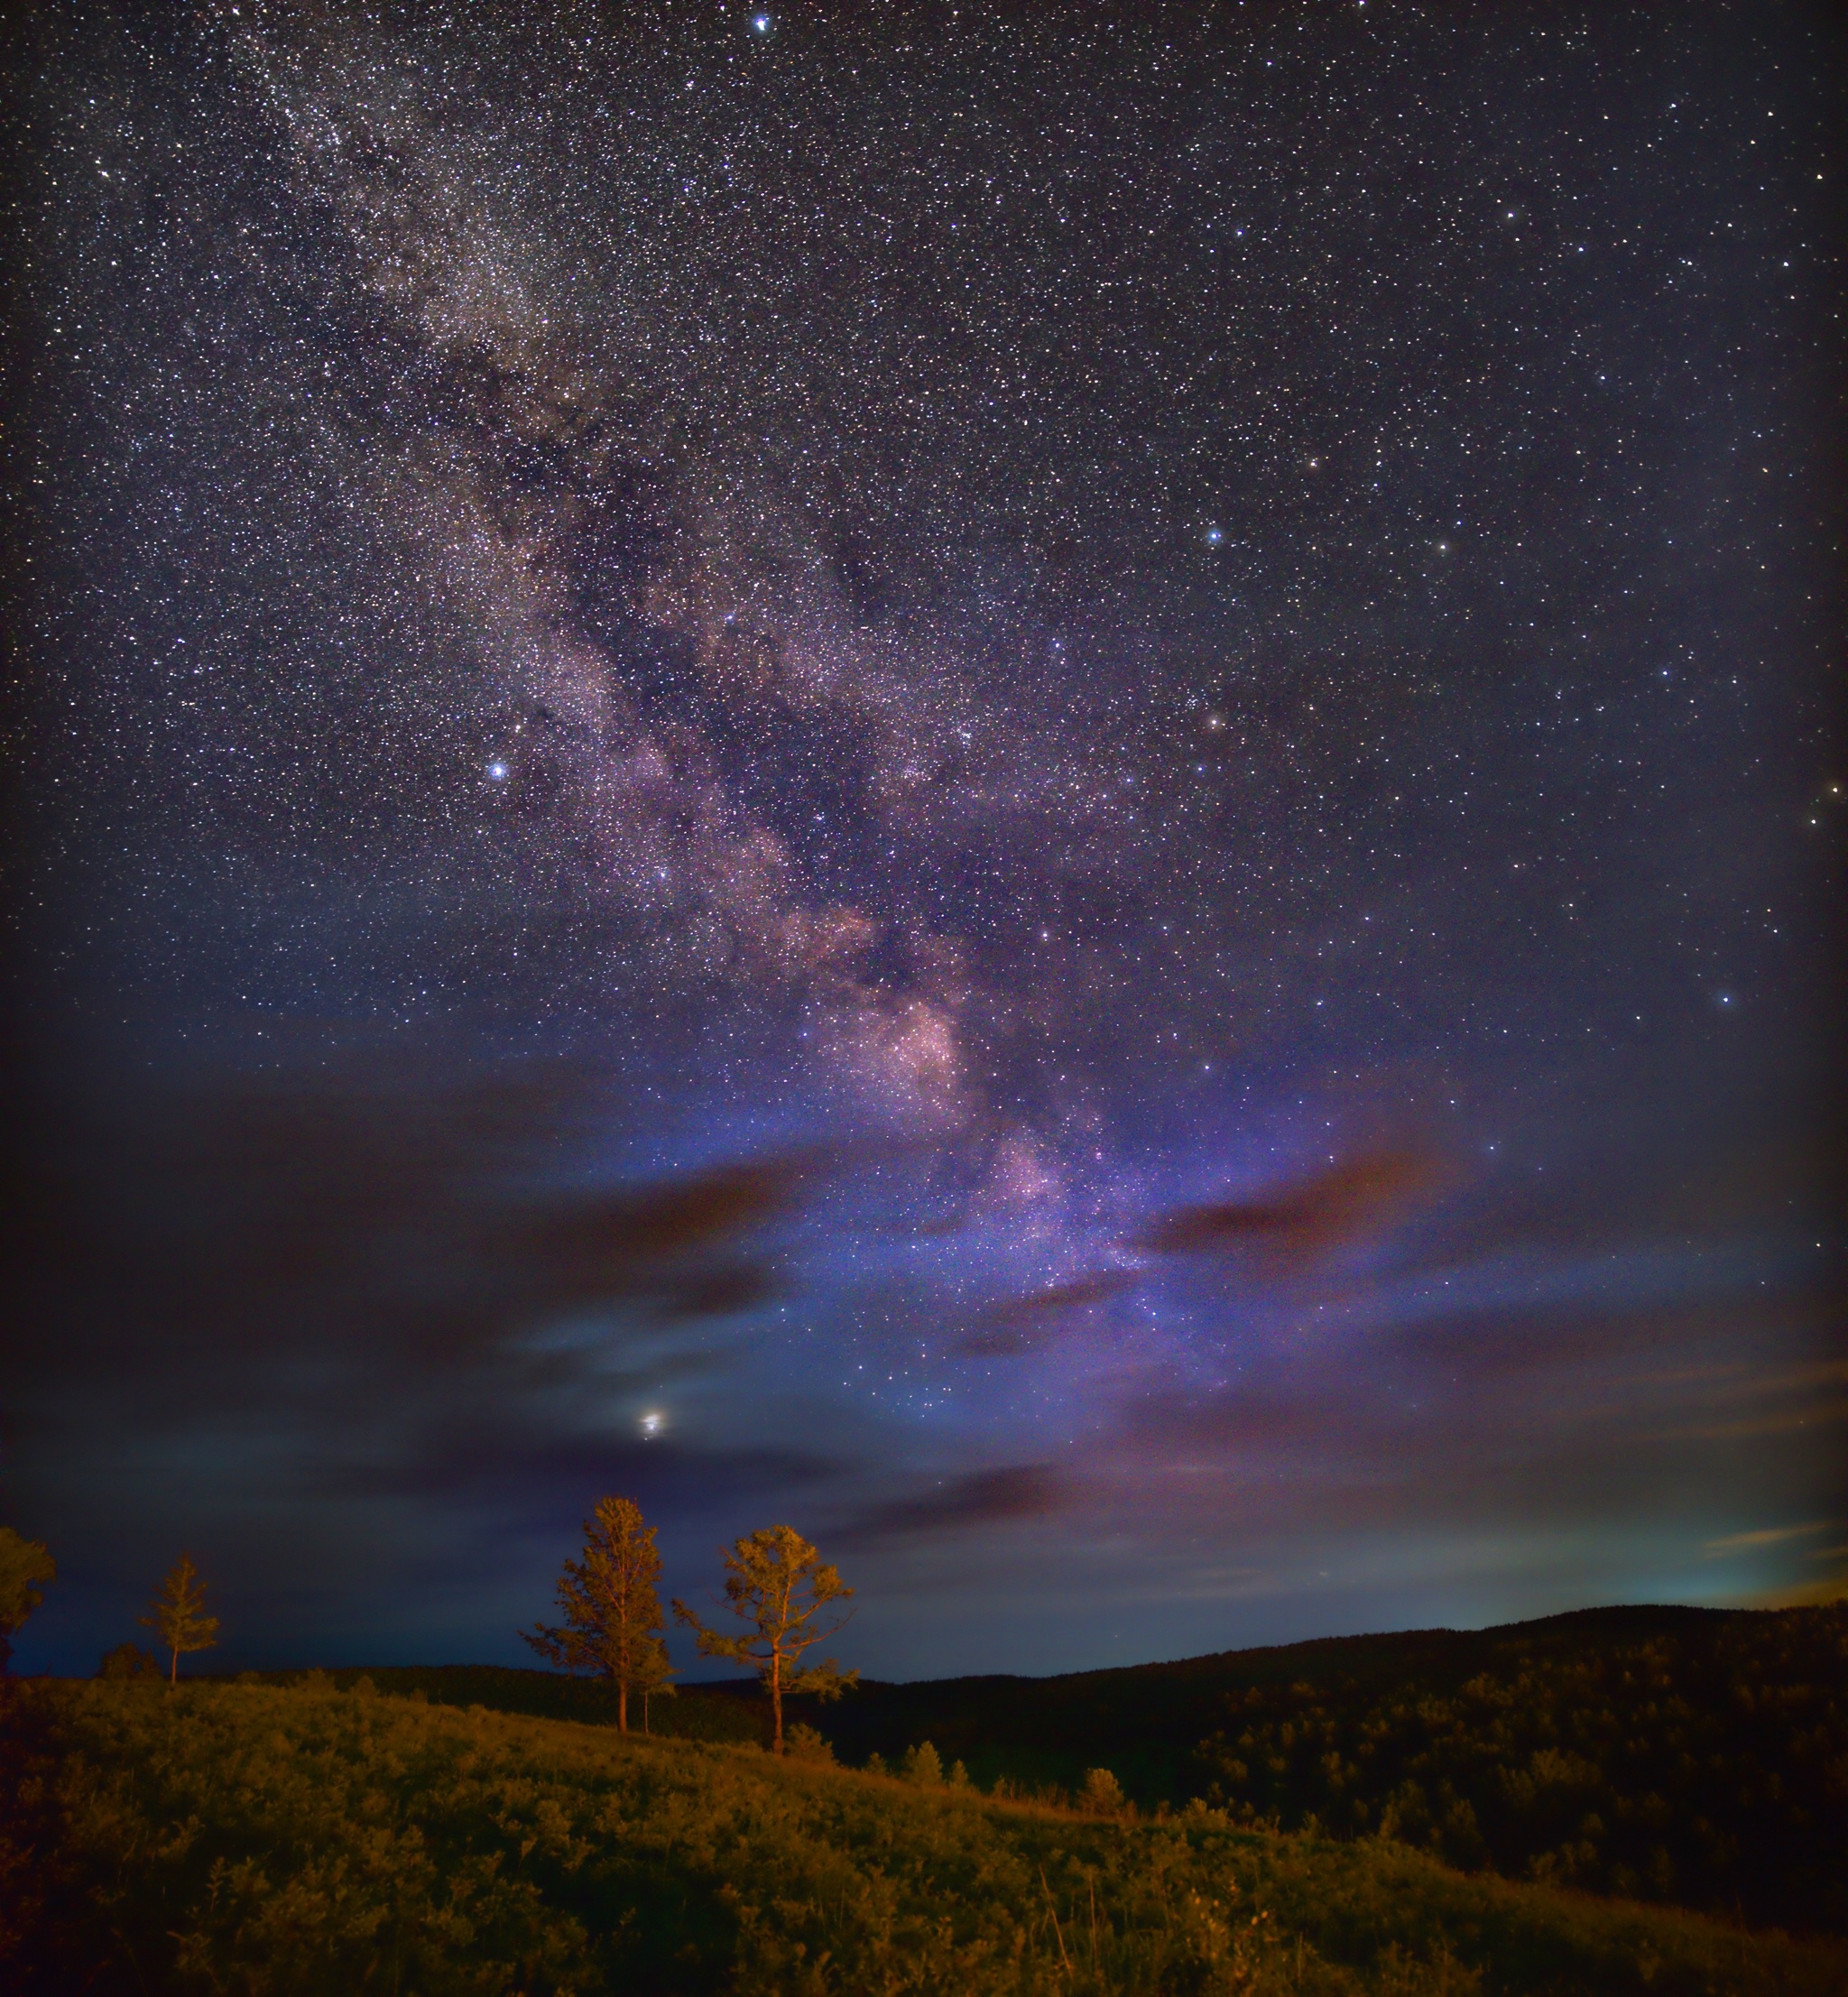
(761, 22)
(497, 770)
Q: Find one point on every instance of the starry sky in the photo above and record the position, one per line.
(1053, 787)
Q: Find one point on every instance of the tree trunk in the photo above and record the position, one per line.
(174, 1678)
(776, 1703)
(622, 1706)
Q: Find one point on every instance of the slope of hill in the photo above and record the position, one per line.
(695, 1713)
(1694, 1755)
(1697, 1757)
(304, 1840)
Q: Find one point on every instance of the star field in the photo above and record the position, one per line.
(1058, 791)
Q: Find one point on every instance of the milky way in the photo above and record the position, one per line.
(1053, 791)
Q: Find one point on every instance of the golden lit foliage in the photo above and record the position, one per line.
(306, 1840)
(26, 1568)
(613, 1617)
(776, 1584)
(179, 1613)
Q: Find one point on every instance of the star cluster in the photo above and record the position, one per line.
(1167, 673)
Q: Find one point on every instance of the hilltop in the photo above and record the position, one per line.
(305, 1839)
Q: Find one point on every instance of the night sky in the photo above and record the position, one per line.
(1054, 788)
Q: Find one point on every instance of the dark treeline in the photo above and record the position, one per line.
(697, 1713)
(1707, 1762)
(1691, 1755)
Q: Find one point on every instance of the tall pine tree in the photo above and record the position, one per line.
(776, 1583)
(613, 1615)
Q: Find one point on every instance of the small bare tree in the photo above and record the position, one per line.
(179, 1613)
(613, 1615)
(778, 1585)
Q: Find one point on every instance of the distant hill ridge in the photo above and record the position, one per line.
(1371, 1658)
(1689, 1755)
(1625, 1619)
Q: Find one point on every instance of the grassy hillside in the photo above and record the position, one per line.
(302, 1839)
(694, 1713)
(1698, 1756)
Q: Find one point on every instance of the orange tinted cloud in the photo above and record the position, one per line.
(1365, 1192)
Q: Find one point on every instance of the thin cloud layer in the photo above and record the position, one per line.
(1356, 1196)
(969, 1504)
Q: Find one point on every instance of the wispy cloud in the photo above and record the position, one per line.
(1768, 1536)
(1363, 1192)
(959, 1504)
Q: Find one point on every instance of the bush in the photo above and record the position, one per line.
(923, 1766)
(1102, 1795)
(128, 1660)
(805, 1745)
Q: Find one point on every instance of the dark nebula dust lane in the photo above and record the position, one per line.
(1055, 788)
